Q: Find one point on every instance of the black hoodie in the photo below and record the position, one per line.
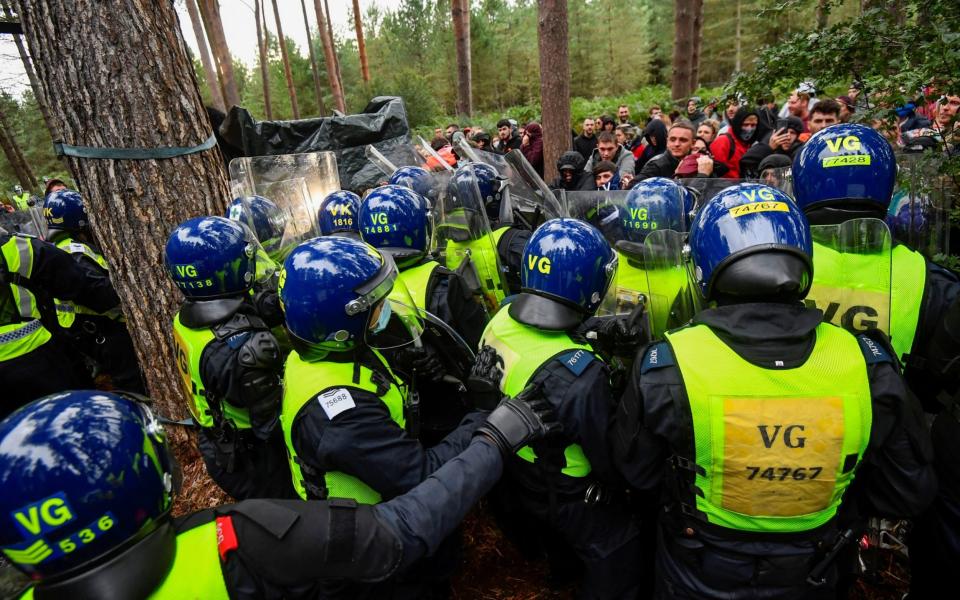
(656, 135)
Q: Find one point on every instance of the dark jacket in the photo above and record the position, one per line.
(501, 147)
(585, 145)
(655, 133)
(570, 160)
(533, 151)
(653, 423)
(750, 162)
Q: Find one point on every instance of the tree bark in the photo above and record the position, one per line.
(213, 82)
(97, 49)
(264, 66)
(682, 48)
(361, 45)
(329, 56)
(210, 13)
(313, 60)
(822, 13)
(333, 43)
(697, 38)
(460, 10)
(552, 31)
(19, 162)
(738, 63)
(31, 74)
(295, 108)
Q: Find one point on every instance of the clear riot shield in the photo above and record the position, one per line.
(918, 215)
(38, 221)
(403, 325)
(852, 274)
(780, 178)
(428, 149)
(529, 201)
(671, 301)
(464, 242)
(389, 159)
(705, 188)
(254, 175)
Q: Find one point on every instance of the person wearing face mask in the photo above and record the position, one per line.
(730, 146)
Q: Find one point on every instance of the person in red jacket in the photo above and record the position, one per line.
(730, 146)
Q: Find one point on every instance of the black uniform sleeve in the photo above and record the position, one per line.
(365, 442)
(645, 419)
(510, 249)
(896, 477)
(452, 301)
(55, 272)
(936, 345)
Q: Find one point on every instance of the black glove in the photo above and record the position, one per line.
(424, 362)
(267, 303)
(483, 384)
(620, 335)
(519, 421)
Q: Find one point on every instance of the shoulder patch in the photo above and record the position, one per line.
(336, 401)
(226, 537)
(76, 248)
(657, 356)
(873, 351)
(576, 361)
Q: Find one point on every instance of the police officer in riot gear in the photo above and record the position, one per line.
(228, 358)
(32, 272)
(265, 219)
(339, 214)
(100, 337)
(753, 420)
(566, 484)
(346, 415)
(105, 530)
(848, 172)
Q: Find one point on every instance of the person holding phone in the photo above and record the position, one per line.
(783, 140)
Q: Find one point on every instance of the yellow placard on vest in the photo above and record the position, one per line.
(755, 207)
(854, 309)
(780, 455)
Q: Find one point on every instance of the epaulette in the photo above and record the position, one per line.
(657, 356)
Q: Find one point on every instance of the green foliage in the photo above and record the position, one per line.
(31, 133)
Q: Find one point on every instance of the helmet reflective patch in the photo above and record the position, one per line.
(341, 336)
(42, 516)
(698, 273)
(756, 207)
(849, 143)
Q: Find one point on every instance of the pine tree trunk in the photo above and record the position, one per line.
(460, 13)
(552, 31)
(295, 108)
(13, 157)
(822, 13)
(262, 49)
(31, 74)
(21, 166)
(333, 43)
(321, 109)
(329, 57)
(738, 63)
(697, 39)
(682, 48)
(210, 12)
(209, 72)
(361, 45)
(133, 204)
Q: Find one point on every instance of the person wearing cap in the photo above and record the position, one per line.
(53, 184)
(570, 174)
(753, 421)
(605, 176)
(769, 169)
(782, 141)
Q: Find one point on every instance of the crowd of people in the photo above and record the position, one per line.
(668, 393)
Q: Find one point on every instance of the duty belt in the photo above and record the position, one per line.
(20, 333)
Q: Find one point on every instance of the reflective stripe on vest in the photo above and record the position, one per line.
(303, 382)
(775, 449)
(190, 344)
(485, 260)
(524, 350)
(27, 333)
(416, 280)
(906, 297)
(67, 311)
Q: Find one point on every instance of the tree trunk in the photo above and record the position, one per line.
(210, 12)
(554, 82)
(361, 45)
(682, 48)
(97, 49)
(31, 74)
(264, 66)
(295, 108)
(13, 157)
(460, 10)
(327, 41)
(313, 61)
(822, 13)
(21, 166)
(739, 40)
(697, 39)
(213, 82)
(333, 43)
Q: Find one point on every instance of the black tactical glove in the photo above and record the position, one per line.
(423, 361)
(620, 335)
(519, 421)
(267, 303)
(483, 384)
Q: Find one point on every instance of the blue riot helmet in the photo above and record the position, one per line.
(84, 474)
(567, 270)
(334, 293)
(397, 220)
(491, 185)
(64, 210)
(338, 214)
(844, 172)
(656, 203)
(263, 217)
(212, 257)
(417, 179)
(750, 242)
